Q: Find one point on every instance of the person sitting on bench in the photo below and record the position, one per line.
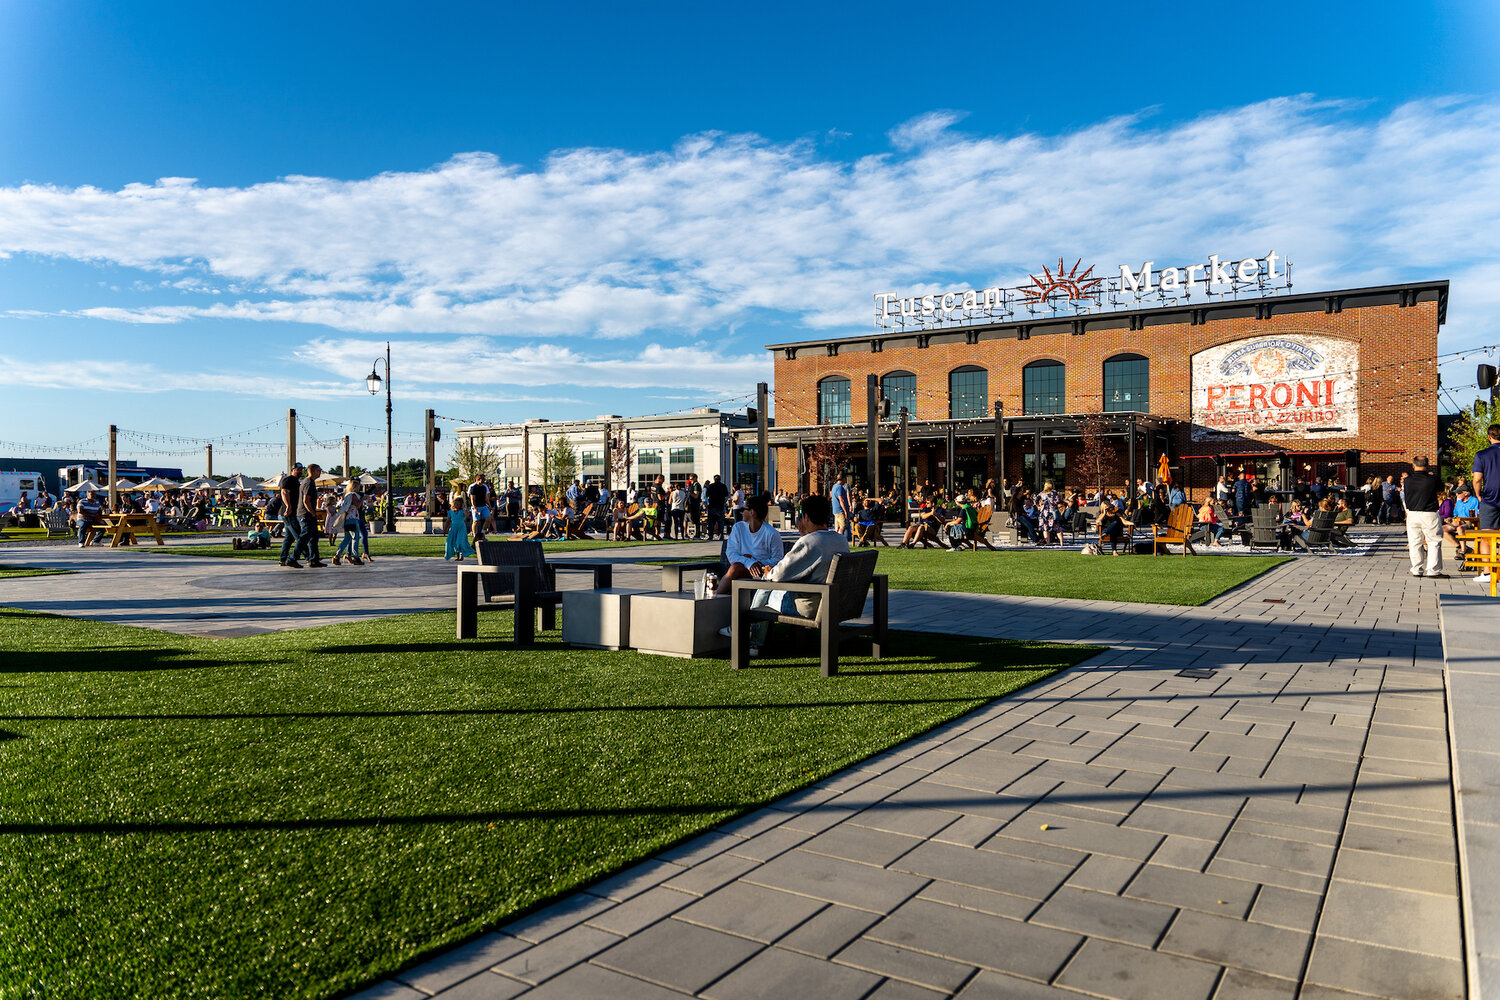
(1112, 526)
(808, 559)
(753, 548)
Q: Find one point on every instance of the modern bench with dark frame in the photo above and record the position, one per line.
(518, 570)
(843, 593)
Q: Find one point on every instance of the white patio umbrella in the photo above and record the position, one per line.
(126, 486)
(239, 482)
(201, 483)
(365, 479)
(87, 486)
(157, 485)
(274, 483)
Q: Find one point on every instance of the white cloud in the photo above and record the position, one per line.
(609, 243)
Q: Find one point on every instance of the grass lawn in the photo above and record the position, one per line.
(380, 545)
(29, 571)
(1143, 579)
(293, 814)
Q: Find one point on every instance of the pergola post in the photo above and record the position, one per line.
(952, 460)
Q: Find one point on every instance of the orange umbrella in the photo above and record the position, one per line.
(1163, 471)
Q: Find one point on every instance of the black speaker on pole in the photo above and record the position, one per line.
(1485, 376)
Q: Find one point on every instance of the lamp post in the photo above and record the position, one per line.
(372, 382)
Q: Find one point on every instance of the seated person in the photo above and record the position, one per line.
(753, 546)
(924, 526)
(1113, 526)
(807, 560)
(867, 529)
(1209, 526)
(1465, 516)
(961, 519)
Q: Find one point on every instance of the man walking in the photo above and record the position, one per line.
(1487, 486)
(291, 521)
(1423, 529)
(1388, 500)
(843, 510)
(479, 508)
(715, 494)
(308, 509)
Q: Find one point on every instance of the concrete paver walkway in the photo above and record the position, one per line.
(1281, 827)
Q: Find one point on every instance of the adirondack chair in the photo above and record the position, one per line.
(57, 522)
(574, 526)
(1319, 532)
(1178, 529)
(842, 594)
(519, 571)
(1263, 527)
(980, 533)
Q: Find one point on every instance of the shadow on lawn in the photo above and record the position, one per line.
(957, 802)
(91, 660)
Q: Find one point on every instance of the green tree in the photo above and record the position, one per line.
(473, 456)
(559, 463)
(1468, 436)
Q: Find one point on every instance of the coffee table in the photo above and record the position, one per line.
(598, 619)
(677, 624)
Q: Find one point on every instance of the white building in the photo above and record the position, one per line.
(674, 446)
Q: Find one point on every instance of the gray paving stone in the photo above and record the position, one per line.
(642, 911)
(902, 963)
(703, 878)
(565, 913)
(1241, 984)
(562, 951)
(1438, 877)
(635, 880)
(678, 955)
(1185, 852)
(1290, 855)
(895, 989)
(1083, 835)
(483, 953)
(900, 819)
(485, 986)
(977, 939)
(1224, 940)
(1122, 972)
(828, 931)
(1322, 838)
(1098, 915)
(1297, 911)
(767, 845)
(1383, 972)
(968, 831)
(968, 897)
(1104, 874)
(751, 911)
(985, 869)
(835, 880)
(389, 990)
(861, 844)
(1392, 918)
(776, 972)
(989, 985)
(1181, 822)
(591, 982)
(1193, 890)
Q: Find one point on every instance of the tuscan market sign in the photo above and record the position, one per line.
(1295, 383)
(1076, 290)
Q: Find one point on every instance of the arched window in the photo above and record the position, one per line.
(1042, 387)
(968, 392)
(833, 400)
(1127, 383)
(901, 389)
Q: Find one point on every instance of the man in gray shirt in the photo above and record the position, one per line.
(808, 559)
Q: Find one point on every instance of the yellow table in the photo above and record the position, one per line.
(1487, 561)
(122, 528)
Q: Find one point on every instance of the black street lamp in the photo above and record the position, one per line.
(372, 382)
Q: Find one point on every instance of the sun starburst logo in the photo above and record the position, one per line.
(1066, 280)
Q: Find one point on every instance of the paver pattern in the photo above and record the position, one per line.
(1281, 828)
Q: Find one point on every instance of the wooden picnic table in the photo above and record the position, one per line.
(1487, 561)
(122, 528)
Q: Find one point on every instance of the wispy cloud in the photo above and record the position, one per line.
(722, 228)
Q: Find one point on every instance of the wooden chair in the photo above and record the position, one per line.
(520, 571)
(1178, 529)
(841, 593)
(1319, 532)
(574, 526)
(980, 533)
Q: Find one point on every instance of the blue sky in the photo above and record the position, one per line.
(211, 212)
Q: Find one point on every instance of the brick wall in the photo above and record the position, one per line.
(1397, 385)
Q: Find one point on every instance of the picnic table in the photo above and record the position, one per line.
(122, 528)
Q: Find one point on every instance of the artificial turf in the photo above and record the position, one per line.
(294, 814)
(30, 571)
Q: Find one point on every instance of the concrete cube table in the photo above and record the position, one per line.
(597, 619)
(678, 624)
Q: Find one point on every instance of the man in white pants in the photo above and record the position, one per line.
(1423, 529)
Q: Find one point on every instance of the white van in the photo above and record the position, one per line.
(13, 484)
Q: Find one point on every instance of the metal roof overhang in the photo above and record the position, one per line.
(1052, 425)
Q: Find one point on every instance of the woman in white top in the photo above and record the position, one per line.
(753, 547)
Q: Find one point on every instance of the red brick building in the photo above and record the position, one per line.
(1339, 385)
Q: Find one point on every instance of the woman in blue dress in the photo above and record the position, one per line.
(458, 532)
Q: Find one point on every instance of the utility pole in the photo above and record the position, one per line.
(762, 420)
(872, 435)
(609, 457)
(346, 457)
(209, 461)
(432, 434)
(114, 472)
(291, 439)
(525, 465)
(905, 472)
(1000, 447)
